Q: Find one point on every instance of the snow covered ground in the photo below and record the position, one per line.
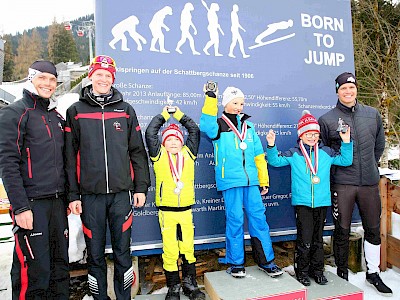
(391, 277)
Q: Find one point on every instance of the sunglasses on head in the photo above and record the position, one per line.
(104, 60)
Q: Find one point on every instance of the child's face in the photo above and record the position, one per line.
(235, 106)
(173, 145)
(310, 138)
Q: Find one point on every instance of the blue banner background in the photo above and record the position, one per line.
(280, 79)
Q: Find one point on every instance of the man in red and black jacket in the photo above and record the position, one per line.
(105, 161)
(32, 170)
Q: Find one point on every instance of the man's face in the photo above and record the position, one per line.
(347, 94)
(101, 81)
(45, 84)
(173, 145)
(235, 106)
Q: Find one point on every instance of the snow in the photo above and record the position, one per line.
(391, 277)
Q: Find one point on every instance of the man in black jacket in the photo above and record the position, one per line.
(357, 183)
(32, 169)
(105, 161)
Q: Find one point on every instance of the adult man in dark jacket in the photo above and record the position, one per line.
(105, 160)
(359, 182)
(32, 169)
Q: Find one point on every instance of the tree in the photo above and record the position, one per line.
(376, 26)
(8, 71)
(29, 49)
(61, 45)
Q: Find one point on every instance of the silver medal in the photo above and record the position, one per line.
(179, 185)
(243, 145)
(177, 191)
(316, 180)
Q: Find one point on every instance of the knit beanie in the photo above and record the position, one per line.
(41, 66)
(307, 123)
(102, 62)
(343, 78)
(231, 93)
(172, 130)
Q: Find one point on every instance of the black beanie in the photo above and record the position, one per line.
(343, 78)
(43, 66)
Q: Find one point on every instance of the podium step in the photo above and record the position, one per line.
(256, 285)
(337, 288)
(162, 297)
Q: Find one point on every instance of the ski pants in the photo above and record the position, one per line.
(177, 230)
(309, 244)
(40, 267)
(369, 205)
(97, 211)
(249, 199)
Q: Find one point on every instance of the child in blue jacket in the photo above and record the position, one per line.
(240, 171)
(310, 163)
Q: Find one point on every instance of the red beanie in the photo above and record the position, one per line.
(102, 62)
(307, 123)
(172, 130)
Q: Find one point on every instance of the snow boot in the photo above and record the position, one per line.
(189, 284)
(173, 284)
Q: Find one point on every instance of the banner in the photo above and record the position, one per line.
(284, 55)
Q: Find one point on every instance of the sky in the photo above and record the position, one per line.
(19, 15)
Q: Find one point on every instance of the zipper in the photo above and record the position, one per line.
(28, 245)
(105, 148)
(354, 131)
(216, 154)
(244, 167)
(161, 185)
(51, 135)
(47, 125)
(28, 153)
(223, 168)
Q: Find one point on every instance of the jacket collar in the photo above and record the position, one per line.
(234, 117)
(41, 102)
(346, 109)
(88, 97)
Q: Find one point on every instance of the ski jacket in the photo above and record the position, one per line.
(304, 192)
(369, 142)
(104, 147)
(165, 184)
(31, 151)
(234, 167)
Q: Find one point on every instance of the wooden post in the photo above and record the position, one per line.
(384, 226)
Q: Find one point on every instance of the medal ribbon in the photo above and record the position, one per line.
(313, 169)
(176, 169)
(242, 135)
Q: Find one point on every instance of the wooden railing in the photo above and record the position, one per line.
(390, 245)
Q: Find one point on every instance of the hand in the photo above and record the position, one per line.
(345, 136)
(75, 207)
(139, 199)
(271, 137)
(264, 190)
(25, 220)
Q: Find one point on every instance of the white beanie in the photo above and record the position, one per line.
(231, 93)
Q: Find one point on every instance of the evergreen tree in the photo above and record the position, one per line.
(8, 71)
(61, 45)
(29, 49)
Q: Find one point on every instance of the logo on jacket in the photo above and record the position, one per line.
(60, 125)
(117, 126)
(66, 234)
